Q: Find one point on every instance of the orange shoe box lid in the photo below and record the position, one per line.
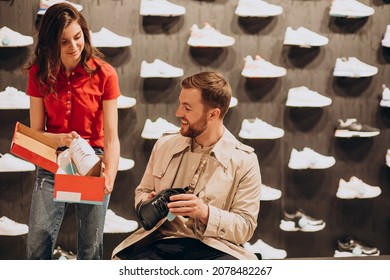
(41, 150)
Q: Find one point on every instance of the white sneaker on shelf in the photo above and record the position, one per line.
(11, 39)
(304, 37)
(356, 188)
(117, 224)
(125, 164)
(257, 8)
(105, 38)
(83, 155)
(386, 38)
(208, 37)
(11, 98)
(350, 9)
(10, 163)
(304, 97)
(11, 228)
(260, 68)
(233, 102)
(126, 102)
(309, 159)
(160, 69)
(267, 193)
(154, 130)
(266, 251)
(388, 157)
(162, 8)
(45, 4)
(353, 68)
(385, 101)
(259, 129)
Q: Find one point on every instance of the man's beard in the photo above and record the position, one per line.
(195, 129)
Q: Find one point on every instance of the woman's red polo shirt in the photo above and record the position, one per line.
(78, 104)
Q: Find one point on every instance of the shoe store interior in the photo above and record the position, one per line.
(311, 95)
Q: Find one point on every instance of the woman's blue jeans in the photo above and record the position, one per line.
(46, 217)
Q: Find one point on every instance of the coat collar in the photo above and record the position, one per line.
(221, 151)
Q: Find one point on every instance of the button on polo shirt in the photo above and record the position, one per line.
(78, 106)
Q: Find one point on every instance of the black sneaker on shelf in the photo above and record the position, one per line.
(299, 221)
(154, 210)
(353, 128)
(350, 247)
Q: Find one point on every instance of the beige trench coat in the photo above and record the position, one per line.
(233, 192)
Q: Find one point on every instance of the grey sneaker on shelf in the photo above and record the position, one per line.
(352, 128)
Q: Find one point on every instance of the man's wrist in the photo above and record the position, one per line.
(205, 214)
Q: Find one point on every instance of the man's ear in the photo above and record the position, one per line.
(215, 113)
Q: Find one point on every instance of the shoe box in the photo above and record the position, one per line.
(41, 150)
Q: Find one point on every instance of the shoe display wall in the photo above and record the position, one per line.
(316, 71)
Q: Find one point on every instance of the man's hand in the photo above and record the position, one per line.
(189, 205)
(151, 195)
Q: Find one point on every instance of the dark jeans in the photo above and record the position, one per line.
(174, 249)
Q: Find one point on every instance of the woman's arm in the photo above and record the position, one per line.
(111, 143)
(38, 120)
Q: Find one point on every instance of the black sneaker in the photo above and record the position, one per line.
(152, 211)
(299, 221)
(353, 248)
(352, 128)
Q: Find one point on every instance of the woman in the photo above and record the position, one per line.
(73, 93)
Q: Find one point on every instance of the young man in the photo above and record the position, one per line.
(219, 211)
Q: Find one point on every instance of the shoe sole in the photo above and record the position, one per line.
(348, 134)
(161, 76)
(348, 74)
(354, 196)
(341, 254)
(290, 226)
(208, 45)
(307, 104)
(248, 75)
(247, 136)
(296, 167)
(242, 14)
(385, 103)
(348, 14)
(291, 166)
(301, 44)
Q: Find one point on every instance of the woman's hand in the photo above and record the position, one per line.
(66, 138)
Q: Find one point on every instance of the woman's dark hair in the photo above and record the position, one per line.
(47, 53)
